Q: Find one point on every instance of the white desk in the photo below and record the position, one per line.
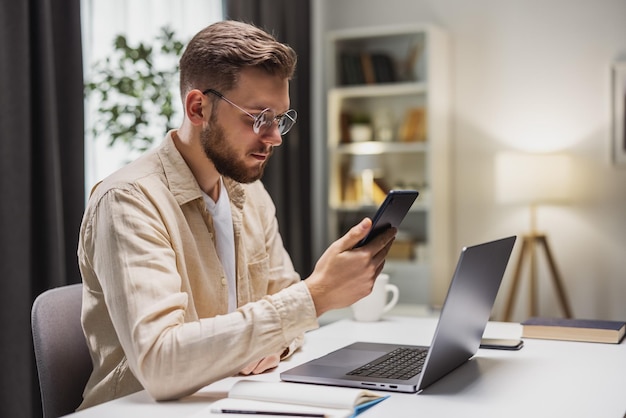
(543, 379)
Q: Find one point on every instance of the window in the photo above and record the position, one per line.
(139, 21)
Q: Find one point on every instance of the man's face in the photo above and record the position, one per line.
(226, 158)
(228, 139)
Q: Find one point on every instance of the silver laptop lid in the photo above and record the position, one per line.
(467, 307)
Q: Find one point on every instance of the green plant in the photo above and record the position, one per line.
(133, 90)
(360, 118)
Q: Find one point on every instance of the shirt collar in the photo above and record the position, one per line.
(181, 181)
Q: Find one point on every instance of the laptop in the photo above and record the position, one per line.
(462, 321)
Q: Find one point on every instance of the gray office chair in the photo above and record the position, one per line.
(61, 353)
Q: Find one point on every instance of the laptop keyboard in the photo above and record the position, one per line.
(401, 363)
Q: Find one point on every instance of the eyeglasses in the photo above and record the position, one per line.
(264, 120)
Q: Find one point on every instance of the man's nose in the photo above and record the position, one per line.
(272, 137)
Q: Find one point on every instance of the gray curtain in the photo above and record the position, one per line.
(41, 176)
(288, 175)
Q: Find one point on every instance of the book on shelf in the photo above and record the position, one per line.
(352, 190)
(295, 399)
(344, 127)
(384, 70)
(586, 330)
(413, 128)
(366, 68)
(351, 69)
(367, 65)
(403, 248)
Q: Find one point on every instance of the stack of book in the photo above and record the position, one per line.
(586, 330)
(366, 68)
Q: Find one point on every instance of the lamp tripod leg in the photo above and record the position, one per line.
(515, 284)
(533, 305)
(556, 278)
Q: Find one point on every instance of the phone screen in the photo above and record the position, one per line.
(390, 213)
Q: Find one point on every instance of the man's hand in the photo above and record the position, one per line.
(262, 365)
(345, 274)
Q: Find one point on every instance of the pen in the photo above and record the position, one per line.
(281, 414)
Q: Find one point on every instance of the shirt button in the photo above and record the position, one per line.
(223, 281)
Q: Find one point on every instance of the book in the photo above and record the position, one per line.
(384, 71)
(586, 330)
(368, 68)
(348, 75)
(413, 128)
(351, 69)
(251, 397)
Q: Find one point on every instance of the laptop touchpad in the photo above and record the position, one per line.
(348, 358)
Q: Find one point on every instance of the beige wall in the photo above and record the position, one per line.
(527, 74)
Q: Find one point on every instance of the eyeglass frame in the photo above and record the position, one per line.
(256, 125)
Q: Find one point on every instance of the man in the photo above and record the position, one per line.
(186, 280)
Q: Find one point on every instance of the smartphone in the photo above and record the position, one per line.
(501, 343)
(390, 213)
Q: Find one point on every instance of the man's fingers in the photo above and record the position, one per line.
(267, 363)
(249, 368)
(355, 234)
(262, 365)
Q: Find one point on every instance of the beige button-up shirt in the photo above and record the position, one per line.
(155, 300)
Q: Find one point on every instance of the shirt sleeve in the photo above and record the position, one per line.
(136, 266)
(282, 272)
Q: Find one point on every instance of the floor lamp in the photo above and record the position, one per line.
(534, 179)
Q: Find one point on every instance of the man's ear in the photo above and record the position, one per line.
(197, 107)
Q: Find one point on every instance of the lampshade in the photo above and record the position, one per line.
(533, 178)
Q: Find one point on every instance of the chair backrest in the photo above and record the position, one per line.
(63, 360)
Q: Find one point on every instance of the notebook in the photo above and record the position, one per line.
(462, 321)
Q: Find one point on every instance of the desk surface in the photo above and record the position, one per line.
(543, 379)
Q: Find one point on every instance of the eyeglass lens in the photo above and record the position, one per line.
(287, 120)
(266, 118)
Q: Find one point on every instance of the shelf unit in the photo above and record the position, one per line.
(405, 146)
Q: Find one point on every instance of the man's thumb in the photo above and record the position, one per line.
(356, 233)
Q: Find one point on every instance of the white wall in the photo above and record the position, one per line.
(527, 74)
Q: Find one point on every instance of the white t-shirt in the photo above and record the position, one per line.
(225, 239)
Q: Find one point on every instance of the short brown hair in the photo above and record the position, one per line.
(216, 55)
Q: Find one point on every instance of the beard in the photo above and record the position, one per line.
(225, 158)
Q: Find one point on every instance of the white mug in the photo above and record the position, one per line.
(373, 306)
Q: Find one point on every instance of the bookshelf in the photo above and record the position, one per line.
(388, 128)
